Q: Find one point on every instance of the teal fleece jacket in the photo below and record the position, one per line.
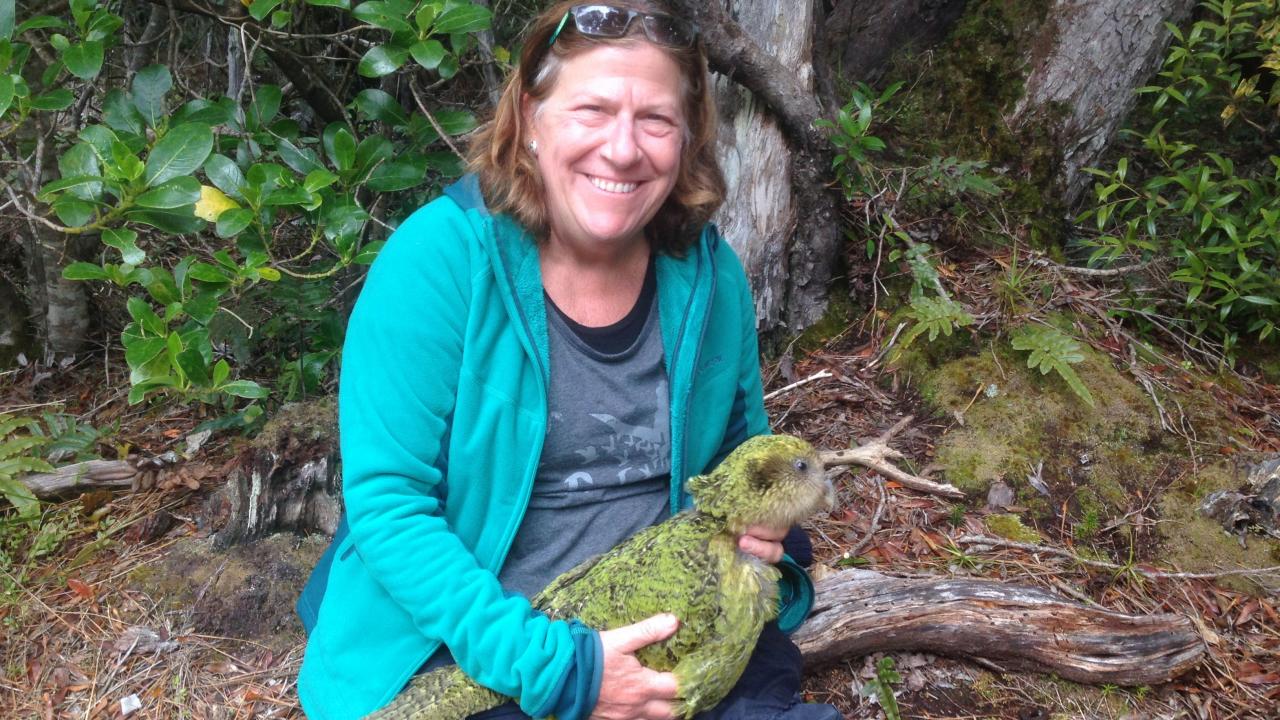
(442, 415)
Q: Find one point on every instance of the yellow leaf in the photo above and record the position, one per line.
(213, 203)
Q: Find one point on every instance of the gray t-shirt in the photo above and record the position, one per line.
(606, 460)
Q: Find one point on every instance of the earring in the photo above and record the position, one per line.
(533, 148)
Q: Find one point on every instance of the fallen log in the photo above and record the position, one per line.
(858, 612)
(81, 477)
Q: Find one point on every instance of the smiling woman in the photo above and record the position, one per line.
(536, 363)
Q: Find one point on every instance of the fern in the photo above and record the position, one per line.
(20, 454)
(935, 316)
(1051, 349)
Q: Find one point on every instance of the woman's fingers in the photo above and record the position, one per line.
(630, 638)
(627, 688)
(763, 542)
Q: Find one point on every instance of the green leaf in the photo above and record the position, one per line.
(192, 364)
(319, 179)
(398, 175)
(85, 271)
(259, 9)
(84, 60)
(1052, 350)
(344, 4)
(466, 18)
(126, 241)
(59, 99)
(382, 15)
(179, 152)
(119, 113)
(233, 222)
(38, 22)
(206, 272)
(221, 371)
(428, 53)
(378, 105)
(264, 107)
(245, 389)
(150, 85)
(301, 160)
(8, 16)
(6, 92)
(343, 152)
(174, 193)
(72, 212)
(382, 60)
(140, 351)
(180, 221)
(225, 175)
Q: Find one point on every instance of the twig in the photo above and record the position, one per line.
(856, 550)
(820, 375)
(417, 99)
(876, 455)
(1101, 564)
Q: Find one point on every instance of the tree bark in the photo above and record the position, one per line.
(860, 36)
(858, 612)
(1088, 60)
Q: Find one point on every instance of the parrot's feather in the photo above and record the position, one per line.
(689, 566)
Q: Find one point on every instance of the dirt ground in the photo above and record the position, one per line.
(127, 611)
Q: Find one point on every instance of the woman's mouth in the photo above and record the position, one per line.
(621, 188)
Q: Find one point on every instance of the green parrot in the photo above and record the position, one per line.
(689, 566)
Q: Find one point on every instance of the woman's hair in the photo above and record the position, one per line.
(508, 171)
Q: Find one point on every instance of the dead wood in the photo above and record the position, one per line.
(876, 455)
(80, 477)
(859, 612)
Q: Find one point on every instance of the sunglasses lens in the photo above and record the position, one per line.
(668, 30)
(601, 20)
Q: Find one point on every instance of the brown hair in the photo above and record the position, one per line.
(508, 172)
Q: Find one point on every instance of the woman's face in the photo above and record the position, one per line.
(609, 138)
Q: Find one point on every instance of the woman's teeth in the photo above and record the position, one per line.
(614, 187)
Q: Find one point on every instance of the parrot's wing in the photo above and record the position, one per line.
(553, 599)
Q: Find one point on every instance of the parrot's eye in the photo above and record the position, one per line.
(800, 465)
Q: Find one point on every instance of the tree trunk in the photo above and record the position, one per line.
(859, 612)
(1089, 58)
(15, 337)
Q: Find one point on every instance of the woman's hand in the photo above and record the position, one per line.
(628, 689)
(763, 542)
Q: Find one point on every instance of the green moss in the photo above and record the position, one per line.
(304, 422)
(840, 314)
(1010, 527)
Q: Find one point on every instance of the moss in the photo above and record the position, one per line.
(302, 422)
(839, 315)
(1010, 527)
(1198, 544)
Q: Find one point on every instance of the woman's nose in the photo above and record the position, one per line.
(620, 147)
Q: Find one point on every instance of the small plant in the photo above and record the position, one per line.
(1088, 525)
(935, 316)
(955, 516)
(1051, 349)
(21, 450)
(850, 133)
(881, 688)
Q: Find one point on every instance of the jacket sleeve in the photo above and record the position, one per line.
(400, 368)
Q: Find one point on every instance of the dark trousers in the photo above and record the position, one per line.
(769, 688)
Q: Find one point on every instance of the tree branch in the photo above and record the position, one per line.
(734, 54)
(876, 455)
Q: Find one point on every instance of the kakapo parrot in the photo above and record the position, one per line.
(689, 566)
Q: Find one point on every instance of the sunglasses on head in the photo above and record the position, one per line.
(607, 21)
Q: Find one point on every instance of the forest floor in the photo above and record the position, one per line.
(98, 618)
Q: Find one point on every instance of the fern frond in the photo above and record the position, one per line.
(1051, 349)
(935, 316)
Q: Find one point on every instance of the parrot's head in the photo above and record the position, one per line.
(773, 480)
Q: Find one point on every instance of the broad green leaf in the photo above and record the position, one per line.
(378, 105)
(343, 150)
(397, 175)
(319, 179)
(225, 175)
(368, 253)
(204, 112)
(467, 18)
(221, 371)
(344, 4)
(301, 160)
(202, 306)
(8, 16)
(180, 221)
(119, 113)
(213, 203)
(245, 389)
(73, 212)
(206, 272)
(84, 60)
(382, 60)
(192, 363)
(143, 388)
(179, 152)
(173, 193)
(143, 350)
(428, 53)
(371, 152)
(59, 99)
(425, 16)
(233, 222)
(142, 311)
(448, 66)
(39, 22)
(124, 163)
(126, 241)
(84, 271)
(6, 92)
(259, 9)
(382, 15)
(264, 107)
(150, 85)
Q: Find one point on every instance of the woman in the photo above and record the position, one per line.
(534, 363)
